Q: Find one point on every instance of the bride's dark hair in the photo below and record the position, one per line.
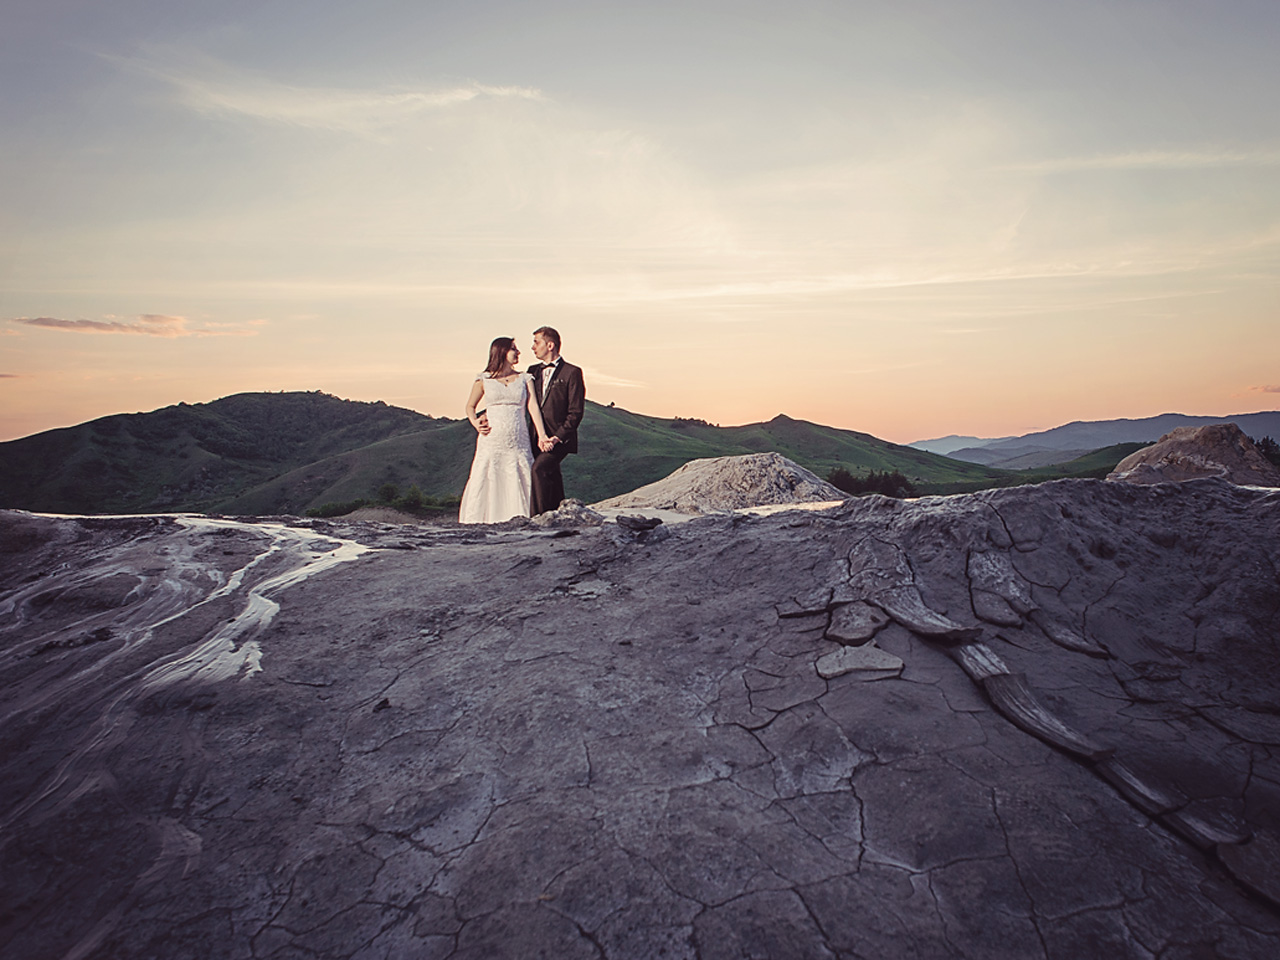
(498, 354)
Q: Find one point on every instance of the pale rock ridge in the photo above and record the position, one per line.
(1190, 453)
(571, 513)
(720, 484)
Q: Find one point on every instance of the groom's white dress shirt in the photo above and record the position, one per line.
(548, 371)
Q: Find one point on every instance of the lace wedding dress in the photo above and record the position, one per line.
(501, 483)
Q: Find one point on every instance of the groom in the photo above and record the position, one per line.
(561, 394)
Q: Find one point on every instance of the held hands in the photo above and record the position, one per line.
(546, 444)
(482, 424)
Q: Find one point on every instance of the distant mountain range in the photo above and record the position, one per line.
(269, 453)
(952, 442)
(1075, 439)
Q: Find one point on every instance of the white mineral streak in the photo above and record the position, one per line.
(218, 657)
(769, 509)
(166, 594)
(170, 584)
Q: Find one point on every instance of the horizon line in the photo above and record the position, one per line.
(614, 404)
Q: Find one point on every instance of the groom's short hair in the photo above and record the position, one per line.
(549, 333)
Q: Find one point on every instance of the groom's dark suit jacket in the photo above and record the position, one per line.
(562, 404)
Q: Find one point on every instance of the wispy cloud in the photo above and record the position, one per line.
(1269, 388)
(596, 378)
(8, 376)
(147, 324)
(844, 283)
(1153, 160)
(210, 86)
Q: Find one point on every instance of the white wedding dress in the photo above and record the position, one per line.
(501, 483)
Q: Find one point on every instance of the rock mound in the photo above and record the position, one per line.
(729, 483)
(570, 513)
(1190, 453)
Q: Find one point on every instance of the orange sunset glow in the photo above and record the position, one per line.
(910, 219)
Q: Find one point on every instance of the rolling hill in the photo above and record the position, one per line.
(195, 457)
(263, 453)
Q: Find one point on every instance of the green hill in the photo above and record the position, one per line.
(435, 460)
(620, 447)
(1092, 465)
(189, 457)
(262, 453)
(620, 451)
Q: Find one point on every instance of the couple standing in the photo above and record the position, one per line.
(516, 469)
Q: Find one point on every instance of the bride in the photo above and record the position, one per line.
(501, 483)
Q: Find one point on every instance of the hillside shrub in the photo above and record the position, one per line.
(1269, 449)
(889, 483)
(414, 502)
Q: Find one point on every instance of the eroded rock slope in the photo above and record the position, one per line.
(1187, 453)
(1039, 722)
(720, 484)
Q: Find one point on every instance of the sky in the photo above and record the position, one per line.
(911, 219)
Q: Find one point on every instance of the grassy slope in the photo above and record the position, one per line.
(620, 451)
(623, 450)
(286, 453)
(1096, 464)
(436, 460)
(187, 457)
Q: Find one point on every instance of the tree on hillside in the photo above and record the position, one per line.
(889, 483)
(1269, 449)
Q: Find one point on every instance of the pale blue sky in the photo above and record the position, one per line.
(910, 219)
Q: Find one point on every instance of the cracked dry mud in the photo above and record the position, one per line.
(521, 742)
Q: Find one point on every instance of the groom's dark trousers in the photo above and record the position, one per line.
(562, 404)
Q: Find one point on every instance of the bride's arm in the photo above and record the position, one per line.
(536, 413)
(477, 391)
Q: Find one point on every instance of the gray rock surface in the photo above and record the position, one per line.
(351, 740)
(720, 484)
(1191, 453)
(868, 660)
